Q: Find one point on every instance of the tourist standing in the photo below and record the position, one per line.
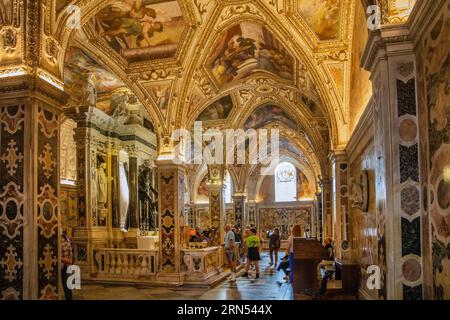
(253, 244)
(230, 241)
(295, 233)
(274, 246)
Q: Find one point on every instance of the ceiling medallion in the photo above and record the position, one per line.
(265, 89)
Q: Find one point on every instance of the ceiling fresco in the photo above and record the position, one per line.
(286, 145)
(323, 16)
(270, 114)
(79, 66)
(142, 29)
(218, 110)
(247, 48)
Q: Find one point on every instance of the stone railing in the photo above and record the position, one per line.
(125, 264)
(202, 264)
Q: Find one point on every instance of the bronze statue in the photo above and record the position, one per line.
(148, 206)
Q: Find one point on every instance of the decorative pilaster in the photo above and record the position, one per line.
(216, 190)
(327, 218)
(340, 200)
(113, 152)
(217, 211)
(252, 217)
(319, 231)
(239, 200)
(29, 192)
(171, 180)
(390, 58)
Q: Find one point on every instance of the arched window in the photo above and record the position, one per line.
(228, 186)
(285, 182)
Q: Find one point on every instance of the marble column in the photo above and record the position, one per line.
(319, 231)
(115, 186)
(239, 206)
(133, 187)
(114, 191)
(30, 111)
(340, 200)
(171, 186)
(390, 58)
(252, 216)
(327, 217)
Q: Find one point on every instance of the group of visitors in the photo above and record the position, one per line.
(252, 247)
(197, 235)
(248, 242)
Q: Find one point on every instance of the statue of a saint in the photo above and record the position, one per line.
(102, 194)
(146, 192)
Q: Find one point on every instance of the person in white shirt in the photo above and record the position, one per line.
(230, 242)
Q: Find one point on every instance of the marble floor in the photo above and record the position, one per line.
(270, 286)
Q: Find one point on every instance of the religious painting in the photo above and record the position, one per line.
(338, 72)
(202, 191)
(323, 16)
(142, 29)
(312, 106)
(161, 93)
(304, 190)
(6, 12)
(79, 65)
(269, 114)
(285, 145)
(246, 48)
(218, 110)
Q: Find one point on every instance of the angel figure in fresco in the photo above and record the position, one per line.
(161, 96)
(5, 12)
(134, 24)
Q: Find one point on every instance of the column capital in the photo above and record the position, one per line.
(239, 196)
(390, 40)
(324, 182)
(31, 85)
(168, 163)
(338, 155)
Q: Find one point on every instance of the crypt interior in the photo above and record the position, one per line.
(92, 92)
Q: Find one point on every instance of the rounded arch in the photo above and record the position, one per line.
(301, 53)
(298, 165)
(298, 47)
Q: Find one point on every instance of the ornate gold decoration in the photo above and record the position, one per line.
(48, 261)
(12, 157)
(46, 160)
(10, 263)
(9, 36)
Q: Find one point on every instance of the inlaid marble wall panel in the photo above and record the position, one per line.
(69, 205)
(12, 201)
(167, 184)
(364, 225)
(203, 218)
(284, 219)
(433, 67)
(409, 184)
(229, 214)
(380, 192)
(47, 203)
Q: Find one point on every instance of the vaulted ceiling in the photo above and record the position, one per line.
(229, 63)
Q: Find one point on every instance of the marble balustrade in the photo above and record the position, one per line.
(125, 264)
